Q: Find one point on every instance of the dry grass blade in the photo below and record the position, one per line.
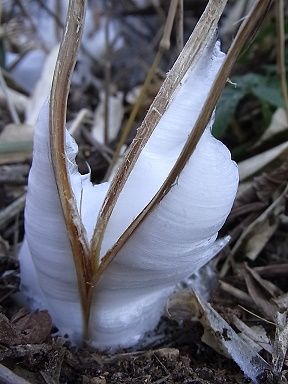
(9, 377)
(191, 53)
(58, 104)
(12, 210)
(244, 34)
(10, 104)
(180, 26)
(280, 16)
(260, 295)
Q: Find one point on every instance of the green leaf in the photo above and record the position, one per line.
(265, 88)
(225, 110)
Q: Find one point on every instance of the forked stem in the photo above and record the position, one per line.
(191, 53)
(247, 29)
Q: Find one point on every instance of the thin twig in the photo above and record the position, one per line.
(51, 13)
(10, 104)
(180, 26)
(233, 291)
(258, 317)
(280, 22)
(10, 212)
(81, 117)
(97, 146)
(33, 26)
(107, 76)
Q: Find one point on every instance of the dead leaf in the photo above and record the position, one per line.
(278, 124)
(282, 301)
(33, 328)
(178, 306)
(269, 287)
(257, 234)
(273, 270)
(256, 335)
(280, 343)
(4, 247)
(251, 166)
(260, 294)
(25, 328)
(16, 143)
(236, 292)
(8, 334)
(220, 336)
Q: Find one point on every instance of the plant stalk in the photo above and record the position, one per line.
(58, 105)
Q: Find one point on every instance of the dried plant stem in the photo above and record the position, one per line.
(163, 46)
(245, 32)
(58, 105)
(9, 213)
(191, 53)
(107, 76)
(27, 15)
(10, 104)
(180, 26)
(280, 22)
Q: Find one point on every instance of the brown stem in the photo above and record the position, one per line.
(58, 105)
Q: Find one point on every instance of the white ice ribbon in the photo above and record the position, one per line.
(173, 242)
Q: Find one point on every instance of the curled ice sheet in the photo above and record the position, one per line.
(174, 241)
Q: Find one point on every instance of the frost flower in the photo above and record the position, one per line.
(173, 242)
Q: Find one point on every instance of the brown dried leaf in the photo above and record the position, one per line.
(269, 287)
(8, 334)
(32, 328)
(251, 166)
(256, 235)
(255, 198)
(16, 143)
(236, 292)
(255, 334)
(273, 270)
(260, 291)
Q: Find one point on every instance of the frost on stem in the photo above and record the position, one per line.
(174, 241)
